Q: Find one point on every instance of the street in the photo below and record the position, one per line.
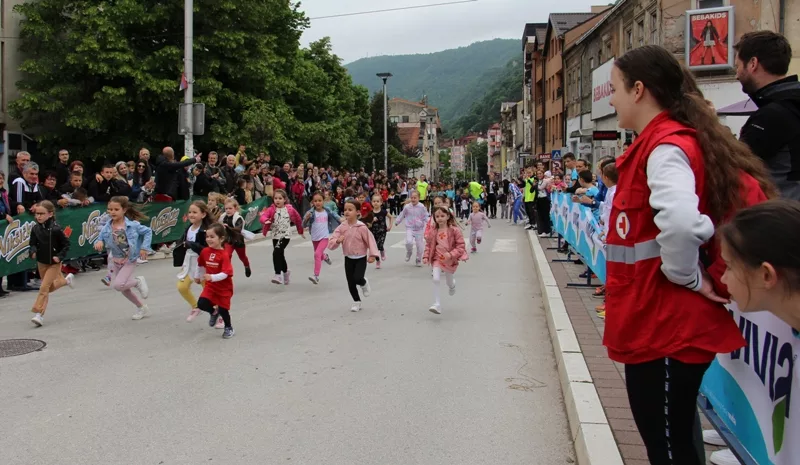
(304, 380)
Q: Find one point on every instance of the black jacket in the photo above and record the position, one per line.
(203, 185)
(103, 191)
(195, 246)
(169, 175)
(62, 173)
(25, 194)
(47, 241)
(230, 179)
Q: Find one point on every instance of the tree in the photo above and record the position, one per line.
(402, 163)
(376, 123)
(480, 154)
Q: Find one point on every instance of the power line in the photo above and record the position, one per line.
(393, 9)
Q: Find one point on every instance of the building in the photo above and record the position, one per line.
(10, 60)
(494, 136)
(419, 127)
(532, 43)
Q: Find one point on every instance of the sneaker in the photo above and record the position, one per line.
(286, 277)
(68, 278)
(356, 307)
(37, 319)
(408, 256)
(418, 262)
(602, 315)
(327, 259)
(106, 280)
(599, 292)
(453, 290)
(378, 265)
(479, 240)
(228, 333)
(141, 284)
(710, 436)
(220, 324)
(600, 308)
(247, 272)
(141, 261)
(435, 308)
(278, 279)
(192, 315)
(314, 279)
(474, 250)
(724, 457)
(544, 235)
(141, 312)
(366, 289)
(528, 227)
(212, 319)
(383, 255)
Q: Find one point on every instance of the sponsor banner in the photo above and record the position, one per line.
(601, 90)
(709, 43)
(751, 389)
(82, 226)
(578, 226)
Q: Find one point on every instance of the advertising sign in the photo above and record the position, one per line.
(577, 225)
(605, 135)
(601, 90)
(709, 42)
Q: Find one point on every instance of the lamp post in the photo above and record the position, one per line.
(385, 77)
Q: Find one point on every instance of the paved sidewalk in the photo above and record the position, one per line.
(608, 376)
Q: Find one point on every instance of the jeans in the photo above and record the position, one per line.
(517, 210)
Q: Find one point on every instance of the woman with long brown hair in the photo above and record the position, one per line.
(684, 174)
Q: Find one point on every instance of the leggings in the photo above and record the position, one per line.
(124, 281)
(491, 202)
(278, 255)
(208, 306)
(380, 238)
(543, 210)
(517, 209)
(185, 289)
(662, 394)
(52, 280)
(354, 270)
(414, 237)
(437, 278)
(319, 254)
(475, 235)
(240, 251)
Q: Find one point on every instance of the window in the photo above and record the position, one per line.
(710, 3)
(405, 119)
(640, 32)
(394, 119)
(591, 63)
(654, 28)
(628, 39)
(607, 49)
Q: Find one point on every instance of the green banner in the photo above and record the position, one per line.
(82, 226)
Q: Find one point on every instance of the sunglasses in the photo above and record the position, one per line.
(140, 166)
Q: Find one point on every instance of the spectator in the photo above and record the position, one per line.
(203, 185)
(144, 157)
(762, 63)
(22, 159)
(258, 186)
(108, 186)
(70, 197)
(5, 214)
(49, 189)
(25, 190)
(77, 167)
(62, 167)
(213, 172)
(168, 175)
(143, 184)
(284, 173)
(229, 174)
(569, 164)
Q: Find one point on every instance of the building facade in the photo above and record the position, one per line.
(10, 60)
(419, 127)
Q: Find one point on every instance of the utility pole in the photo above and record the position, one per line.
(385, 77)
(188, 63)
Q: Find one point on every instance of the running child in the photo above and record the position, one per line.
(215, 271)
(415, 216)
(321, 221)
(126, 240)
(329, 203)
(381, 225)
(234, 240)
(278, 218)
(48, 246)
(188, 249)
(444, 247)
(476, 220)
(359, 248)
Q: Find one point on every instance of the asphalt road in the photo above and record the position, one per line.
(304, 380)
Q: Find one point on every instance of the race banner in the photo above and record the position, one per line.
(82, 226)
(751, 389)
(578, 226)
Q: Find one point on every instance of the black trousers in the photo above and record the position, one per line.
(530, 210)
(207, 306)
(543, 214)
(279, 255)
(491, 201)
(663, 396)
(354, 270)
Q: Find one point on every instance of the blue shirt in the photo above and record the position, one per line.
(574, 176)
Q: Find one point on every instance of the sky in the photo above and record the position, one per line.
(425, 30)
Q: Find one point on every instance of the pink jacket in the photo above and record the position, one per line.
(269, 213)
(358, 240)
(458, 249)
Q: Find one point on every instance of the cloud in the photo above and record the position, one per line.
(424, 30)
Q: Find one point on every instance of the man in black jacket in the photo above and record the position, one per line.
(168, 173)
(762, 63)
(62, 167)
(109, 186)
(492, 188)
(24, 194)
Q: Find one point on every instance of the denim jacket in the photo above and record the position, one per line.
(333, 220)
(139, 237)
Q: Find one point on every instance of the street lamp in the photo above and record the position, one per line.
(385, 77)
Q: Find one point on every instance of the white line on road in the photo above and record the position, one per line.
(505, 245)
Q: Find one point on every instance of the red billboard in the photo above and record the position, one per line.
(709, 43)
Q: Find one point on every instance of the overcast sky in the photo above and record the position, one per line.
(427, 29)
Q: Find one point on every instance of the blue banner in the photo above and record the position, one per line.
(578, 226)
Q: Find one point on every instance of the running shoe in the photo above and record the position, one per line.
(314, 279)
(141, 312)
(435, 308)
(228, 333)
(192, 315)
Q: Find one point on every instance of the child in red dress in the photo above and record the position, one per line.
(215, 269)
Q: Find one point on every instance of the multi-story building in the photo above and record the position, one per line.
(10, 60)
(458, 150)
(418, 126)
(494, 137)
(532, 43)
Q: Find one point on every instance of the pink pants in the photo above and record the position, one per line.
(319, 254)
(124, 280)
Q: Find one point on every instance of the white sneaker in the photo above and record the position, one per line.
(544, 235)
(141, 312)
(408, 256)
(37, 319)
(724, 457)
(356, 307)
(141, 285)
(366, 289)
(68, 278)
(453, 290)
(435, 308)
(314, 279)
(278, 279)
(710, 436)
(141, 261)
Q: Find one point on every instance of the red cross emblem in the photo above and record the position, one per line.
(623, 225)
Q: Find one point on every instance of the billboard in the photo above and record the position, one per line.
(601, 90)
(709, 41)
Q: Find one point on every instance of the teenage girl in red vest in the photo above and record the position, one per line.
(683, 175)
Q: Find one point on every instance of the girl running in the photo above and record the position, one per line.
(191, 243)
(234, 240)
(126, 240)
(476, 220)
(321, 221)
(215, 271)
(278, 218)
(359, 247)
(444, 247)
(415, 215)
(48, 246)
(381, 224)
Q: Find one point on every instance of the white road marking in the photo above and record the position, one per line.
(504, 245)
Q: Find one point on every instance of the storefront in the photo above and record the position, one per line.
(610, 137)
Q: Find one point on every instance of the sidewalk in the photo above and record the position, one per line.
(607, 376)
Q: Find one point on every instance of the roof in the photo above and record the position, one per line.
(608, 14)
(563, 22)
(418, 104)
(409, 136)
(533, 29)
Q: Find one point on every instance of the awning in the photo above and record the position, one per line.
(743, 108)
(587, 132)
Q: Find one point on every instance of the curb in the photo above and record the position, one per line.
(588, 424)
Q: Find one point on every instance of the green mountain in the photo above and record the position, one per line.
(452, 79)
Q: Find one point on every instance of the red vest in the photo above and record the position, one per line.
(648, 316)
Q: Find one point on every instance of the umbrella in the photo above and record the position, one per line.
(743, 108)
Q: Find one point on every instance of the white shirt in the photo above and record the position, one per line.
(319, 228)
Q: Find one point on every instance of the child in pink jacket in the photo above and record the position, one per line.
(359, 247)
(444, 247)
(278, 219)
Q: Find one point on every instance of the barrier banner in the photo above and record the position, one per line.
(82, 226)
(751, 389)
(578, 226)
